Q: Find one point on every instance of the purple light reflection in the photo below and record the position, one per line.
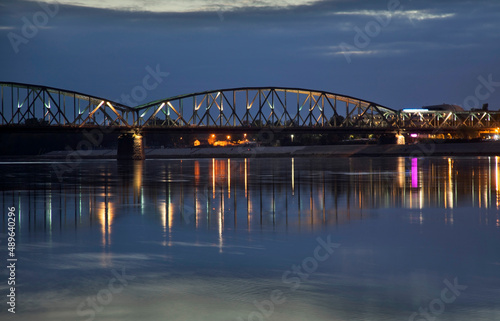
(414, 172)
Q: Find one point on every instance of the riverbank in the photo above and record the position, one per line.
(417, 150)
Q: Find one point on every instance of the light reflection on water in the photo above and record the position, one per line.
(249, 194)
(405, 224)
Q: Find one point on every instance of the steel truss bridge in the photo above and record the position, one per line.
(235, 108)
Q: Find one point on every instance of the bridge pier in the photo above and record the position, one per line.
(130, 146)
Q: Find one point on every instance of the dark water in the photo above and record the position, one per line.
(255, 239)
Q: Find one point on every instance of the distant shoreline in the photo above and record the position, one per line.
(415, 150)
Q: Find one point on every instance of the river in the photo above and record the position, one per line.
(254, 239)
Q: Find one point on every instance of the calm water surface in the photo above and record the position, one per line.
(255, 239)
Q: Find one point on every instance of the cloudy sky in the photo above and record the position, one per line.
(399, 54)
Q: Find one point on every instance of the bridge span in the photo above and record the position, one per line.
(35, 108)
(24, 104)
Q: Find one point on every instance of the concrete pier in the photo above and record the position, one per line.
(130, 146)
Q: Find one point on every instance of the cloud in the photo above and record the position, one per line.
(403, 14)
(180, 6)
(339, 51)
(390, 49)
(107, 43)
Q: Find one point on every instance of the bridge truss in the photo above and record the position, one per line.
(24, 104)
(448, 120)
(273, 107)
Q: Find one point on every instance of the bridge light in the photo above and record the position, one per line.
(228, 137)
(291, 137)
(415, 110)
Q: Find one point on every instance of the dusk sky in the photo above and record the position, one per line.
(399, 54)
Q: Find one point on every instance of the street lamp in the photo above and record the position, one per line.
(291, 136)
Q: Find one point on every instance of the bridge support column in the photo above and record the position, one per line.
(131, 146)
